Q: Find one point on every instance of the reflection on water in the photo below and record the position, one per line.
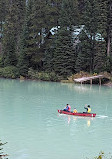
(78, 87)
(88, 123)
(68, 118)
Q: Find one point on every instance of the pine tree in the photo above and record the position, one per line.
(109, 28)
(108, 65)
(12, 31)
(3, 14)
(25, 43)
(90, 18)
(48, 56)
(69, 13)
(83, 62)
(40, 20)
(52, 20)
(10, 58)
(35, 38)
(95, 19)
(9, 55)
(23, 62)
(52, 12)
(100, 57)
(64, 56)
(20, 9)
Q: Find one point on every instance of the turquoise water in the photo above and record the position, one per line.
(31, 125)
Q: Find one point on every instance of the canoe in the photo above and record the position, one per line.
(77, 114)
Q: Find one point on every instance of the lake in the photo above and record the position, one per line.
(33, 128)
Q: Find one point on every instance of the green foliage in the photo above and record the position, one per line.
(2, 155)
(44, 76)
(108, 65)
(48, 60)
(69, 14)
(9, 55)
(23, 61)
(3, 13)
(109, 28)
(100, 57)
(27, 41)
(1, 62)
(23, 70)
(92, 49)
(11, 32)
(9, 72)
(83, 62)
(64, 55)
(32, 36)
(102, 155)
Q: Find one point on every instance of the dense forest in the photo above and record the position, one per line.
(53, 39)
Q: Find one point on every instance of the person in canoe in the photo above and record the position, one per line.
(67, 108)
(75, 110)
(88, 109)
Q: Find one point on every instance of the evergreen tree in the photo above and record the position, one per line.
(3, 14)
(23, 62)
(9, 55)
(100, 53)
(48, 56)
(69, 13)
(108, 65)
(81, 7)
(41, 18)
(83, 62)
(109, 28)
(12, 32)
(25, 43)
(19, 11)
(52, 20)
(52, 12)
(64, 56)
(91, 21)
(100, 57)
(35, 37)
(95, 18)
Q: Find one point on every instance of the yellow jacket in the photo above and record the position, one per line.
(89, 110)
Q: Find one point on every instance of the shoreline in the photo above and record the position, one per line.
(108, 84)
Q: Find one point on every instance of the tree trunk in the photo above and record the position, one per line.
(108, 46)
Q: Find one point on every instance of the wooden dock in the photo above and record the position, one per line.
(83, 79)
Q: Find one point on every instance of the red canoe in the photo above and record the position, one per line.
(77, 114)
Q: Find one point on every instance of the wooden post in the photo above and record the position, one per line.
(91, 81)
(100, 81)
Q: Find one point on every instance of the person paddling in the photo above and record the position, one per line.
(88, 109)
(67, 108)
